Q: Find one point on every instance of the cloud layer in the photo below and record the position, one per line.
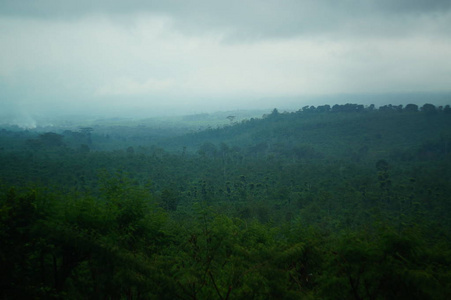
(216, 54)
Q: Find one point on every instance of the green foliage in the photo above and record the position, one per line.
(385, 265)
(341, 202)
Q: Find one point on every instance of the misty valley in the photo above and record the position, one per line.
(327, 202)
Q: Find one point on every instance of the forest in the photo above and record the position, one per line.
(328, 202)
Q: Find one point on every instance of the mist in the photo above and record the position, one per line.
(146, 59)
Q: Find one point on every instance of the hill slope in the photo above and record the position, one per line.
(352, 135)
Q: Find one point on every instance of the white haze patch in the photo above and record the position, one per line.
(130, 87)
(22, 120)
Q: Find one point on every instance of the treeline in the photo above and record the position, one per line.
(350, 107)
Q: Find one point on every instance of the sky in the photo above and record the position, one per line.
(156, 57)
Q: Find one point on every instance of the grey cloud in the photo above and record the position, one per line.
(413, 6)
(196, 7)
(284, 19)
(157, 55)
(257, 19)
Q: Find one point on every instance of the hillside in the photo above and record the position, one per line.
(334, 202)
(354, 134)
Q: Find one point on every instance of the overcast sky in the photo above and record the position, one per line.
(124, 56)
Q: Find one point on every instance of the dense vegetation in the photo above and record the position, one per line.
(341, 202)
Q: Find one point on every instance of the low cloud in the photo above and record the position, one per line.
(129, 87)
(193, 53)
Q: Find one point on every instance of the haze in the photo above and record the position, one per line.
(149, 58)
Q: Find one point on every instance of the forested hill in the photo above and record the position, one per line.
(343, 131)
(342, 202)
